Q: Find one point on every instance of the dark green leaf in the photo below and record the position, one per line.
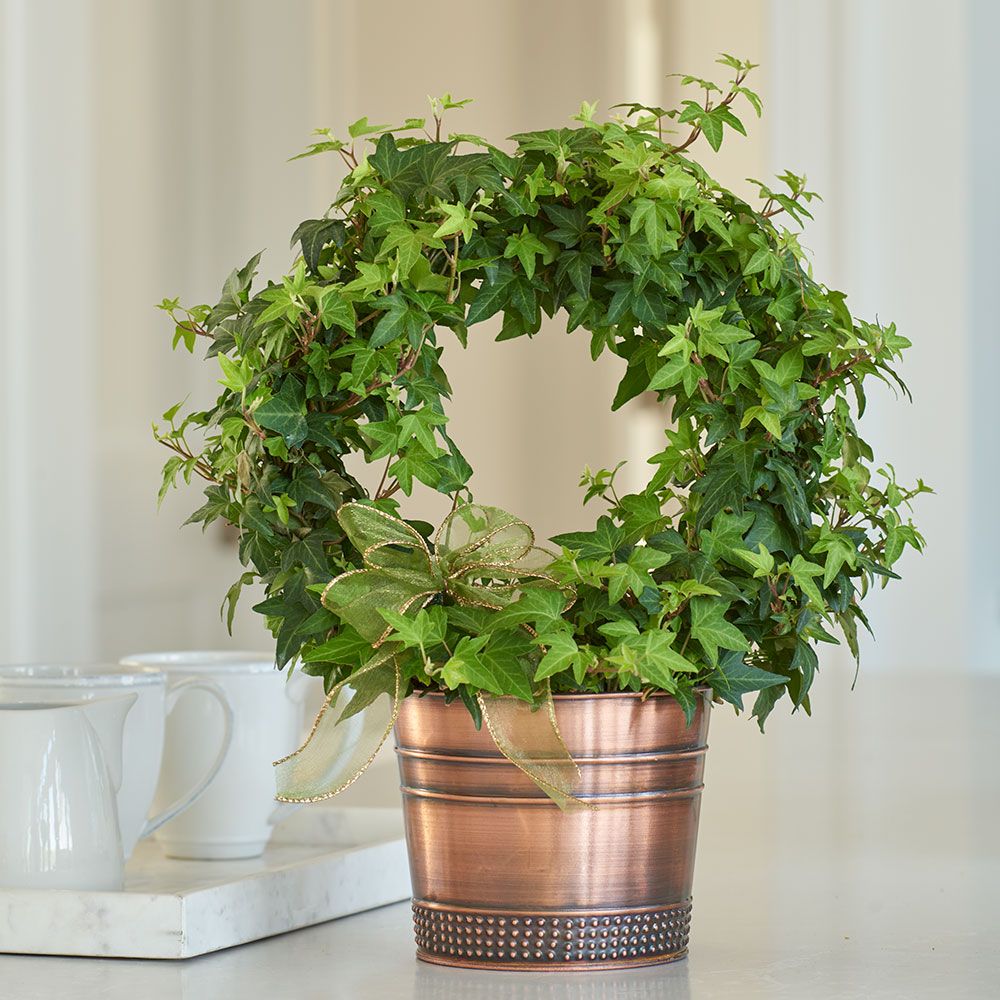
(284, 413)
(733, 678)
(314, 234)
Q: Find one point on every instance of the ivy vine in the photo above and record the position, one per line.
(765, 519)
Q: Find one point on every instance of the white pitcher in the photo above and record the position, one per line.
(60, 771)
(144, 729)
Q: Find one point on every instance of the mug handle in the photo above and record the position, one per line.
(282, 811)
(173, 696)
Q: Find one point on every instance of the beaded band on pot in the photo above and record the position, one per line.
(507, 940)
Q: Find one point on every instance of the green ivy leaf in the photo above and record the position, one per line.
(803, 573)
(347, 648)
(525, 247)
(657, 661)
(720, 487)
(425, 629)
(804, 660)
(335, 310)
(491, 297)
(314, 234)
(492, 664)
(604, 540)
(561, 654)
(395, 324)
(733, 678)
(710, 628)
(284, 413)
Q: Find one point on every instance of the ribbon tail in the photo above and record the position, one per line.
(350, 729)
(531, 741)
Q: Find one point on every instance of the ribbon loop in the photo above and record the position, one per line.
(355, 720)
(473, 536)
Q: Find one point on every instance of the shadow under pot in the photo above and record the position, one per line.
(502, 879)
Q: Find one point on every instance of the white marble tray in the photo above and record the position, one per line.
(323, 862)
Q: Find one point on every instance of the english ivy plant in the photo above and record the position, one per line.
(764, 522)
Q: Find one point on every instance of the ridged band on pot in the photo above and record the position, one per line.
(503, 879)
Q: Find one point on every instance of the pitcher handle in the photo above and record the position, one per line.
(173, 695)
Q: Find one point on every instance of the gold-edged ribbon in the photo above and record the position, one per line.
(528, 736)
(482, 556)
(347, 734)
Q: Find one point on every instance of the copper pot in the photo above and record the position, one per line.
(503, 880)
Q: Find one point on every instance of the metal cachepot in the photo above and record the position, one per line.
(502, 879)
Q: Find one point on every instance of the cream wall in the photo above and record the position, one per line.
(877, 102)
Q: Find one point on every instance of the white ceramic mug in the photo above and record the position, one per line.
(235, 818)
(157, 698)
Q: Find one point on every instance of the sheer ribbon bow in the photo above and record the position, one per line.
(481, 557)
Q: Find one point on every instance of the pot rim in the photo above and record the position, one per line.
(701, 689)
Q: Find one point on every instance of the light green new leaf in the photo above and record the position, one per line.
(525, 247)
(672, 372)
(235, 376)
(408, 246)
(762, 561)
(561, 654)
(789, 367)
(649, 216)
(425, 629)
(760, 261)
(650, 656)
(335, 310)
(711, 126)
(768, 420)
(361, 127)
(839, 550)
(803, 573)
(420, 424)
(491, 664)
(656, 661)
(458, 219)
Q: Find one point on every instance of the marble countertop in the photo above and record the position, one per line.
(854, 855)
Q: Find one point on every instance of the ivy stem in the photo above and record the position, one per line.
(708, 394)
(406, 365)
(724, 103)
(202, 468)
(385, 473)
(453, 284)
(841, 368)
